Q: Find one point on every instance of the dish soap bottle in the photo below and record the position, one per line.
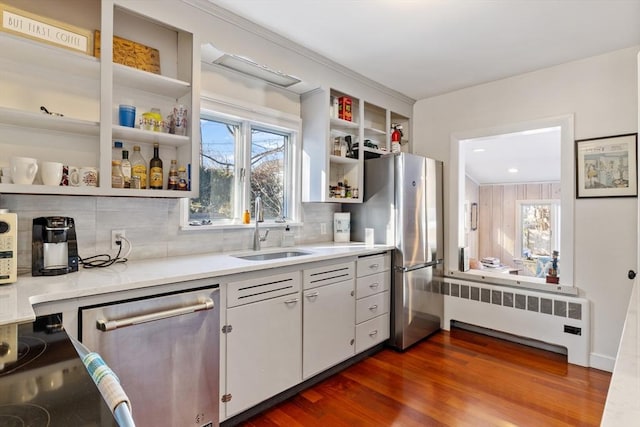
(288, 238)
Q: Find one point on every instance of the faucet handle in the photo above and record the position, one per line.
(264, 238)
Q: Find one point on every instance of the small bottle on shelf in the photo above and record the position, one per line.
(125, 166)
(139, 167)
(117, 179)
(155, 169)
(246, 217)
(172, 181)
(183, 183)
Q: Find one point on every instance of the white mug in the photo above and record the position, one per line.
(51, 173)
(23, 170)
(88, 176)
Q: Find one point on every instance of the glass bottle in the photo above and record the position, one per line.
(172, 182)
(246, 217)
(125, 166)
(139, 166)
(117, 179)
(182, 179)
(155, 169)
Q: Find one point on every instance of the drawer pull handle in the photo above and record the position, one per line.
(312, 294)
(372, 266)
(374, 285)
(109, 325)
(373, 307)
(373, 333)
(291, 301)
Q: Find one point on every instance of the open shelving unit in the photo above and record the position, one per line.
(87, 91)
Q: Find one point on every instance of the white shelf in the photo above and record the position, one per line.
(343, 124)
(343, 160)
(145, 136)
(374, 131)
(39, 120)
(49, 58)
(90, 191)
(343, 200)
(149, 82)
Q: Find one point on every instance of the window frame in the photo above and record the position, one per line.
(556, 220)
(249, 117)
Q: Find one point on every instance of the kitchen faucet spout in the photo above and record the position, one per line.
(259, 213)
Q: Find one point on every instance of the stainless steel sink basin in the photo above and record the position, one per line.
(271, 255)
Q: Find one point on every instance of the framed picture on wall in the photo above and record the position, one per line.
(607, 166)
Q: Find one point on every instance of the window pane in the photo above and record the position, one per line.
(536, 229)
(217, 169)
(268, 151)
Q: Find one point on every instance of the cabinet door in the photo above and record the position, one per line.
(263, 350)
(329, 326)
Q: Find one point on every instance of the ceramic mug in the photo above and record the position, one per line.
(70, 176)
(6, 175)
(51, 173)
(23, 170)
(88, 176)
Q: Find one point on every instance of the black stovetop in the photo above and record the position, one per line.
(48, 385)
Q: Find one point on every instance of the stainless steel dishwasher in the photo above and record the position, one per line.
(165, 351)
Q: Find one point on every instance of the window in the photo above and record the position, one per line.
(538, 228)
(239, 159)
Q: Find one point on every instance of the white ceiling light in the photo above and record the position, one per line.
(512, 170)
(246, 66)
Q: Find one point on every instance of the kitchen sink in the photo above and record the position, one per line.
(271, 255)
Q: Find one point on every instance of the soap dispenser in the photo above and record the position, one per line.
(287, 237)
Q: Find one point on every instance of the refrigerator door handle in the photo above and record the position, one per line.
(419, 266)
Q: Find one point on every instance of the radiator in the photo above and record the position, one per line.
(555, 319)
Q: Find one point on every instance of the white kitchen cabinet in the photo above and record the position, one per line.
(328, 316)
(263, 339)
(372, 300)
(87, 91)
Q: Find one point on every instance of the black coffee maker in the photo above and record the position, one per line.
(54, 248)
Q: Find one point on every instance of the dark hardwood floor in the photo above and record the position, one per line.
(455, 378)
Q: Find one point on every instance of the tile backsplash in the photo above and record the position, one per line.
(152, 226)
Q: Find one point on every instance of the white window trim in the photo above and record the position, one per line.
(555, 223)
(456, 191)
(253, 116)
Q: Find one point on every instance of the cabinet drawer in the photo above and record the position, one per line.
(372, 284)
(372, 332)
(328, 274)
(373, 264)
(373, 306)
(252, 290)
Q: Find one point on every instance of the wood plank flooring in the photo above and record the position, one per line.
(456, 378)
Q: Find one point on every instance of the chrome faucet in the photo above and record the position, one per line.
(259, 212)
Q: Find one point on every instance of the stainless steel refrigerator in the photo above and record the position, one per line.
(403, 204)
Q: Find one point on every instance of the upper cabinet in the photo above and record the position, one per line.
(336, 144)
(83, 91)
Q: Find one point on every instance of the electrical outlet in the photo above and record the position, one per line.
(114, 238)
(323, 228)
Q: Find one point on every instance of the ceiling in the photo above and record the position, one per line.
(535, 156)
(423, 48)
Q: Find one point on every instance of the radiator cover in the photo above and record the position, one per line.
(551, 318)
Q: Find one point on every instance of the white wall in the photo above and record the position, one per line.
(601, 92)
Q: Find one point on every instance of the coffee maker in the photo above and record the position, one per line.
(54, 248)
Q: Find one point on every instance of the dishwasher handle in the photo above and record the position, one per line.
(110, 325)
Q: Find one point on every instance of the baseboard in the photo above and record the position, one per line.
(602, 362)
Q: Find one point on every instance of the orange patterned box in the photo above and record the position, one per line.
(344, 108)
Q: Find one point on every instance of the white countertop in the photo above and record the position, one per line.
(623, 399)
(17, 299)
